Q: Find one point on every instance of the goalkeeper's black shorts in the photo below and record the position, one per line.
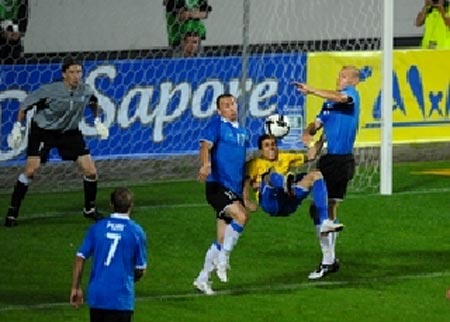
(70, 144)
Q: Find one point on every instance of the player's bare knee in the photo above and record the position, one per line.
(245, 219)
(317, 175)
(308, 180)
(90, 171)
(87, 165)
(240, 216)
(241, 220)
(30, 171)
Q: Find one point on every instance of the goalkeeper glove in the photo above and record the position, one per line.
(102, 130)
(16, 136)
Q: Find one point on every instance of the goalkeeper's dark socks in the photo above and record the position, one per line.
(90, 191)
(11, 217)
(20, 190)
(92, 213)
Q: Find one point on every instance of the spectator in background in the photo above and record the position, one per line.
(435, 17)
(190, 45)
(183, 17)
(13, 24)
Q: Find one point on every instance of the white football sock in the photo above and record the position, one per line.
(333, 237)
(325, 246)
(208, 266)
(231, 236)
(232, 233)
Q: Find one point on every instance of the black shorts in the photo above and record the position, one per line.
(70, 144)
(337, 171)
(102, 315)
(219, 198)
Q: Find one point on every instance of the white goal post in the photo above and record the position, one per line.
(387, 102)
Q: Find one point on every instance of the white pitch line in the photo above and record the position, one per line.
(42, 215)
(245, 290)
(200, 205)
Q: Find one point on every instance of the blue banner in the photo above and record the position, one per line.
(158, 107)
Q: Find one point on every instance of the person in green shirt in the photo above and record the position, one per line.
(185, 16)
(13, 24)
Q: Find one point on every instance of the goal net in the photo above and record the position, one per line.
(156, 101)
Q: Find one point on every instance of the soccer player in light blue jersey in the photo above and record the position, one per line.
(339, 118)
(118, 246)
(222, 155)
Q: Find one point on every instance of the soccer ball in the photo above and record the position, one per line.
(277, 125)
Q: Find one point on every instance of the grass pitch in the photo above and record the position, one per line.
(394, 253)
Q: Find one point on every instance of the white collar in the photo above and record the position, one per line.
(235, 124)
(120, 216)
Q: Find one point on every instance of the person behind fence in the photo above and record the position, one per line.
(190, 45)
(13, 25)
(58, 109)
(185, 16)
(223, 146)
(339, 118)
(118, 247)
(435, 18)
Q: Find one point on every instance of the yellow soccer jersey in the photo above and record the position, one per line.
(258, 166)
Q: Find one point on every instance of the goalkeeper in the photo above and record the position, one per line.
(58, 110)
(279, 191)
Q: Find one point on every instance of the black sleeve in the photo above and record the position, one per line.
(203, 6)
(93, 104)
(173, 5)
(22, 16)
(138, 273)
(93, 100)
(40, 105)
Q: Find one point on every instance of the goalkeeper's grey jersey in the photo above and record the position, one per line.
(64, 108)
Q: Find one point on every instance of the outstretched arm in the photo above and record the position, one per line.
(330, 95)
